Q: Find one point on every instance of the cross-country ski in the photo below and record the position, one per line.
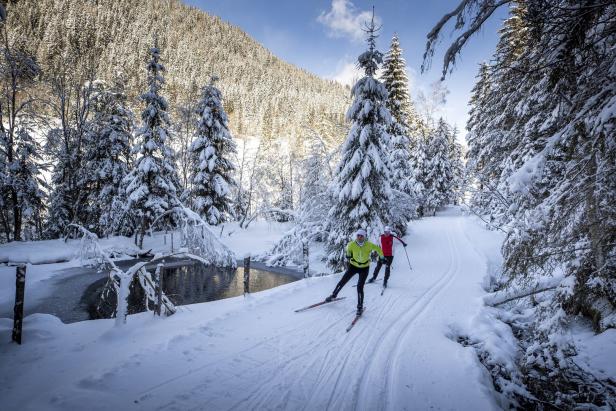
(357, 317)
(319, 304)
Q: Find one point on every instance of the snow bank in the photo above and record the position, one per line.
(56, 251)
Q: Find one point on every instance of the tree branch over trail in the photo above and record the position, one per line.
(484, 8)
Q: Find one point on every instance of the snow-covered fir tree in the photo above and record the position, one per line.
(107, 153)
(151, 187)
(361, 189)
(399, 104)
(419, 167)
(439, 177)
(212, 150)
(19, 74)
(25, 179)
(457, 168)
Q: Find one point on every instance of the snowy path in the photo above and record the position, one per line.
(259, 354)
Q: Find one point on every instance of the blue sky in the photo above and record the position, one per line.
(322, 37)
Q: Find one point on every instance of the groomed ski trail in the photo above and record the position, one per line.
(397, 357)
(256, 353)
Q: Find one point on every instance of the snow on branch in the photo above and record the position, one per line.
(198, 239)
(505, 296)
(484, 9)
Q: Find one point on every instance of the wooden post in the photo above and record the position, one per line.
(306, 259)
(202, 233)
(159, 289)
(20, 288)
(172, 242)
(247, 275)
(165, 239)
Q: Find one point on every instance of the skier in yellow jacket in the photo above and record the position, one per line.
(358, 256)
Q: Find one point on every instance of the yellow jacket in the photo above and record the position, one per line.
(360, 255)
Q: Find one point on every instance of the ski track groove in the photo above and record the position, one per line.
(386, 355)
(335, 358)
(451, 275)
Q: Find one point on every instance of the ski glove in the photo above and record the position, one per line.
(404, 244)
(383, 260)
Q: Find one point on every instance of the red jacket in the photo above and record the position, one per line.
(387, 242)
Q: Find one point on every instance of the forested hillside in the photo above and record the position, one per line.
(105, 37)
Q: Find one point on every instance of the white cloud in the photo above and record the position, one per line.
(344, 20)
(346, 73)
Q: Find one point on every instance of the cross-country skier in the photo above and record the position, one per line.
(387, 242)
(358, 256)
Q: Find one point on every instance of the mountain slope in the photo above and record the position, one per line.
(195, 45)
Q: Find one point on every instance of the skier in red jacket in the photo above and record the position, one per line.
(387, 242)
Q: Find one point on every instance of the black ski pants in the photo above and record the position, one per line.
(350, 272)
(388, 260)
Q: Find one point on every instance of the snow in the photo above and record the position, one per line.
(596, 352)
(53, 251)
(256, 353)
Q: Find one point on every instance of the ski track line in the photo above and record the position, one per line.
(395, 333)
(274, 374)
(199, 388)
(390, 300)
(396, 357)
(329, 375)
(327, 370)
(195, 330)
(145, 394)
(332, 368)
(256, 398)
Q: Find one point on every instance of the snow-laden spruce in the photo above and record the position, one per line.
(107, 153)
(21, 197)
(21, 179)
(456, 188)
(419, 167)
(151, 187)
(211, 153)
(361, 189)
(399, 104)
(438, 183)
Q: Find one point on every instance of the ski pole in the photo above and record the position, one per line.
(407, 258)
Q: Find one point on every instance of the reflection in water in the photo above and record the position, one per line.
(195, 283)
(192, 283)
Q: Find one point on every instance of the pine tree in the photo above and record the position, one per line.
(399, 104)
(457, 168)
(361, 189)
(211, 152)
(107, 153)
(419, 166)
(19, 73)
(439, 176)
(25, 178)
(151, 186)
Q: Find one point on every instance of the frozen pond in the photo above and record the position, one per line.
(76, 291)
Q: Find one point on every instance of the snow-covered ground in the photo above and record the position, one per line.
(256, 353)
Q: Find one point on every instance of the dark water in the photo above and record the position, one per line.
(77, 295)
